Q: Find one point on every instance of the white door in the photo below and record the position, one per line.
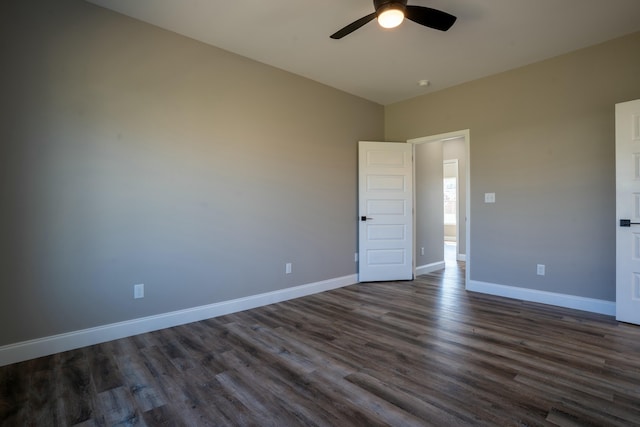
(628, 212)
(385, 211)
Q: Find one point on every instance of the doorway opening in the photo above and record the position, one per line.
(435, 242)
(450, 208)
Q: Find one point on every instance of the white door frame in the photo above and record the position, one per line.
(467, 139)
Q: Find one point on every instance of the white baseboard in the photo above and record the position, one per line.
(544, 297)
(39, 347)
(462, 257)
(428, 268)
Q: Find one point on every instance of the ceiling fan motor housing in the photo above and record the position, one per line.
(382, 5)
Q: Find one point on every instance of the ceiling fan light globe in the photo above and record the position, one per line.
(390, 18)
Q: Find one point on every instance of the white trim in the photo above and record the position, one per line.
(544, 297)
(39, 347)
(450, 238)
(428, 268)
(462, 257)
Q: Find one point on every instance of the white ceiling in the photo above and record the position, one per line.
(384, 66)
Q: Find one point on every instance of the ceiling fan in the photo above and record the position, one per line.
(391, 13)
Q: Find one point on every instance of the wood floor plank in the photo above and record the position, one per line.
(104, 372)
(372, 406)
(42, 405)
(406, 401)
(75, 388)
(215, 401)
(291, 392)
(177, 389)
(118, 408)
(259, 404)
(14, 394)
(140, 382)
(163, 416)
(421, 352)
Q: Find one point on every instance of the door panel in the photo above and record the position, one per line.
(628, 208)
(385, 210)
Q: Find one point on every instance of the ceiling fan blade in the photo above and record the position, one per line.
(431, 18)
(353, 26)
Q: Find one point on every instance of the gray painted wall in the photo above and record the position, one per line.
(133, 155)
(428, 203)
(542, 138)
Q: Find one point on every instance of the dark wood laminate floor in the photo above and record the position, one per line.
(398, 353)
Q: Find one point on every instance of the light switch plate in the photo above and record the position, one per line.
(489, 197)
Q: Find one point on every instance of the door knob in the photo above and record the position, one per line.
(365, 218)
(627, 223)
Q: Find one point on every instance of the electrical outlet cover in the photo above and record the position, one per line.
(138, 291)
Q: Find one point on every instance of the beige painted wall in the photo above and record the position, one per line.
(542, 139)
(133, 155)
